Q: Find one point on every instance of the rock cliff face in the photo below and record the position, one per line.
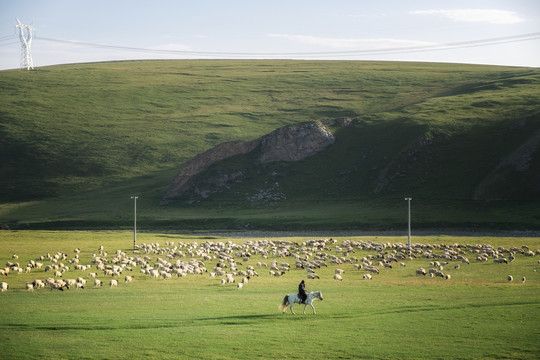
(521, 167)
(289, 143)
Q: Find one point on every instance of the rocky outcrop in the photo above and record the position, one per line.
(203, 161)
(289, 143)
(518, 166)
(293, 143)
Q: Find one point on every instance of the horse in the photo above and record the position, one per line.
(293, 298)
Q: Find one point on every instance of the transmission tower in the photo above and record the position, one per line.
(25, 34)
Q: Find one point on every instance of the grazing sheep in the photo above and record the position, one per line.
(367, 277)
(30, 286)
(447, 277)
(58, 285)
(313, 276)
(98, 282)
(113, 283)
(510, 278)
(338, 277)
(128, 278)
(372, 269)
(523, 279)
(166, 276)
(3, 286)
(457, 266)
(338, 271)
(440, 274)
(421, 271)
(239, 285)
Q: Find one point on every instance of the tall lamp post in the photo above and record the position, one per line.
(409, 237)
(134, 221)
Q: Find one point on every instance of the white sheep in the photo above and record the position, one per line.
(98, 282)
(166, 275)
(367, 277)
(523, 279)
(30, 286)
(338, 271)
(421, 271)
(3, 286)
(338, 277)
(128, 278)
(58, 285)
(113, 283)
(239, 285)
(510, 278)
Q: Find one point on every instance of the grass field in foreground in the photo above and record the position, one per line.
(476, 314)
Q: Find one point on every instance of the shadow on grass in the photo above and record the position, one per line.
(245, 319)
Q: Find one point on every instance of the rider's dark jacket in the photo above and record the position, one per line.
(302, 291)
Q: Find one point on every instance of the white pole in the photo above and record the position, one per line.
(135, 221)
(409, 235)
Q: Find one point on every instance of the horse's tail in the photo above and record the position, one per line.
(284, 303)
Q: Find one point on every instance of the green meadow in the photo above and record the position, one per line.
(77, 141)
(477, 314)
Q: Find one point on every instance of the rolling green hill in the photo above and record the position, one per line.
(76, 141)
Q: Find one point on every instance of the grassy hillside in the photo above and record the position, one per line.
(76, 141)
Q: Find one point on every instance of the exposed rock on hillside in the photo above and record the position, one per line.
(398, 165)
(289, 143)
(514, 174)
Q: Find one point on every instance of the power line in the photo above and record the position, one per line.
(359, 52)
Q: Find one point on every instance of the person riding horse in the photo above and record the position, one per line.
(302, 291)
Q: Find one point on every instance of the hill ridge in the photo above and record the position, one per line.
(77, 141)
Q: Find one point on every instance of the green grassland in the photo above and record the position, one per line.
(476, 314)
(76, 141)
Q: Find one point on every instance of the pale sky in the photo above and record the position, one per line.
(502, 32)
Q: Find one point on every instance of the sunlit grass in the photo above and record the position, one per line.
(476, 314)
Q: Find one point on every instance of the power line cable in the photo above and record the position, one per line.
(359, 52)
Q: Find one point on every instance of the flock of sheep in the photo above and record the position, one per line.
(237, 263)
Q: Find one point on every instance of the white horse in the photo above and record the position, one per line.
(293, 298)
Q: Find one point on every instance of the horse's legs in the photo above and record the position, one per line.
(292, 312)
(304, 312)
(312, 308)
